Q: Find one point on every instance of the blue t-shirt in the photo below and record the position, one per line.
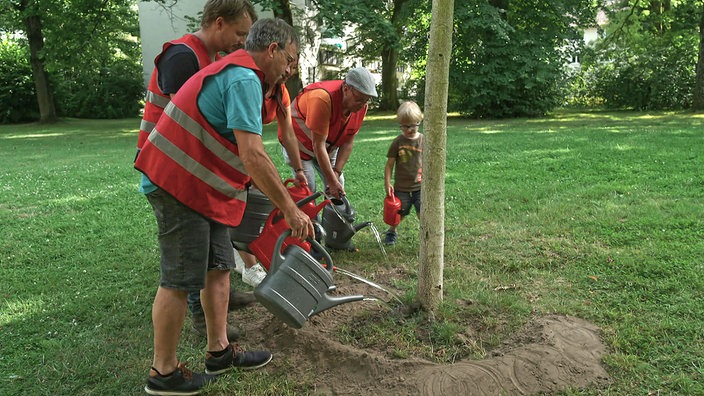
(231, 99)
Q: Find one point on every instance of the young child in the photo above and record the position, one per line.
(405, 155)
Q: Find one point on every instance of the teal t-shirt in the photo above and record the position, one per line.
(231, 99)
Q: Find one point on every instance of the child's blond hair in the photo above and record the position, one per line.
(409, 113)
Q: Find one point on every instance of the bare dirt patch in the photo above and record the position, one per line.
(547, 355)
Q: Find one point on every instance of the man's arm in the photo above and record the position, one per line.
(332, 182)
(265, 175)
(290, 143)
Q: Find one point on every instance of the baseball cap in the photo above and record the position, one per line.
(362, 80)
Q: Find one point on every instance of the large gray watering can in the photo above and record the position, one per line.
(338, 219)
(297, 285)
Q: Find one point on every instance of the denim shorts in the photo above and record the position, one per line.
(190, 243)
(408, 199)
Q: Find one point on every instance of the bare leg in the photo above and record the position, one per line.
(214, 299)
(249, 259)
(168, 313)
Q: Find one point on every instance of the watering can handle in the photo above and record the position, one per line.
(342, 201)
(279, 257)
(299, 204)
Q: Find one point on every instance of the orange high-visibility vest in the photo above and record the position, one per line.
(190, 160)
(339, 131)
(155, 99)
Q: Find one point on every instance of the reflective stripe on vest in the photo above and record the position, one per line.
(155, 100)
(304, 128)
(197, 131)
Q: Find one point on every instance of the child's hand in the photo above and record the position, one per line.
(389, 190)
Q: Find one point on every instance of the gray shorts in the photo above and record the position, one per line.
(190, 244)
(408, 199)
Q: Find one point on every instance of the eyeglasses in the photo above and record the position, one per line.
(358, 96)
(409, 126)
(289, 59)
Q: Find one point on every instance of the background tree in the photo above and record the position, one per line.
(84, 53)
(648, 56)
(432, 220)
(379, 27)
(25, 15)
(379, 33)
(510, 55)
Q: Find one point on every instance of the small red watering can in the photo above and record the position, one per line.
(275, 225)
(392, 206)
(301, 195)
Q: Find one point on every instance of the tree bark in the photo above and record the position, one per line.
(432, 222)
(283, 11)
(389, 61)
(389, 82)
(47, 108)
(698, 96)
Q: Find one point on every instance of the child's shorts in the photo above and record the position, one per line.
(408, 199)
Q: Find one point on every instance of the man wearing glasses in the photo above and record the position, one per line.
(198, 160)
(326, 116)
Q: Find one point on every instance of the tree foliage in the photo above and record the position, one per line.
(17, 98)
(648, 55)
(88, 49)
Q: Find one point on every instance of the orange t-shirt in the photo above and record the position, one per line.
(271, 106)
(316, 106)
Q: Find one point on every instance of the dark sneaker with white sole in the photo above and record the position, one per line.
(236, 357)
(390, 238)
(181, 382)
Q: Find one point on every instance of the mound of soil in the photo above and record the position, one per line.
(547, 355)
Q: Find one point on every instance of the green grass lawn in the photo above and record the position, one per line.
(596, 215)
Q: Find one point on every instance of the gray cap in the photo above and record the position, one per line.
(362, 80)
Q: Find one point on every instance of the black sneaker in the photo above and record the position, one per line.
(181, 382)
(390, 238)
(236, 357)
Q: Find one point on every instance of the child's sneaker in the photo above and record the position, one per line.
(254, 275)
(390, 238)
(181, 382)
(236, 357)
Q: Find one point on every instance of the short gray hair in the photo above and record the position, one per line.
(270, 30)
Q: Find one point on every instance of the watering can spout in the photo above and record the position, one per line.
(329, 302)
(361, 225)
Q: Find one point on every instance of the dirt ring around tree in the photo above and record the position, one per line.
(549, 354)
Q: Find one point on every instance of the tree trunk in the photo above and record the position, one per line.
(283, 11)
(698, 99)
(389, 82)
(432, 222)
(389, 60)
(47, 109)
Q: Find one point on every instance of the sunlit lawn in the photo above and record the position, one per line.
(597, 215)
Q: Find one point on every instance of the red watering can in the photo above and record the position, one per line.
(275, 225)
(301, 195)
(392, 206)
(263, 246)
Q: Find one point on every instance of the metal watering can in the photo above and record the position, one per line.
(297, 285)
(338, 219)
